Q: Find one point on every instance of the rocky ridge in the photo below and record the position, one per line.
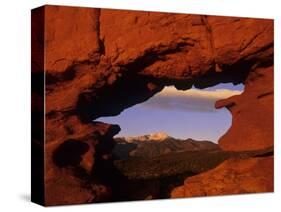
(156, 144)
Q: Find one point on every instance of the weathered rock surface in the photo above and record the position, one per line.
(234, 176)
(99, 62)
(72, 35)
(252, 111)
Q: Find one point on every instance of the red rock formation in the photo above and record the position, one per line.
(99, 62)
(253, 109)
(234, 176)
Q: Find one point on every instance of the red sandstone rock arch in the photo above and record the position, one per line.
(103, 61)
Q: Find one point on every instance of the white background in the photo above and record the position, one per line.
(15, 104)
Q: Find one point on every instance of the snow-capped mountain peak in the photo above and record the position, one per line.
(159, 136)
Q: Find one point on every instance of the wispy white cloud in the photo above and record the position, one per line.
(191, 100)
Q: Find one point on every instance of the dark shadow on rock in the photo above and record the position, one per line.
(70, 153)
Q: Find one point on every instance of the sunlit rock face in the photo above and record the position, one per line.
(99, 62)
(252, 111)
(234, 176)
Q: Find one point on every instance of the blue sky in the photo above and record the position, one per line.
(181, 114)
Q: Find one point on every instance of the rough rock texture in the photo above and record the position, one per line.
(72, 35)
(253, 109)
(234, 176)
(99, 62)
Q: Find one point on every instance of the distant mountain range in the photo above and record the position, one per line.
(157, 144)
(150, 166)
(159, 136)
